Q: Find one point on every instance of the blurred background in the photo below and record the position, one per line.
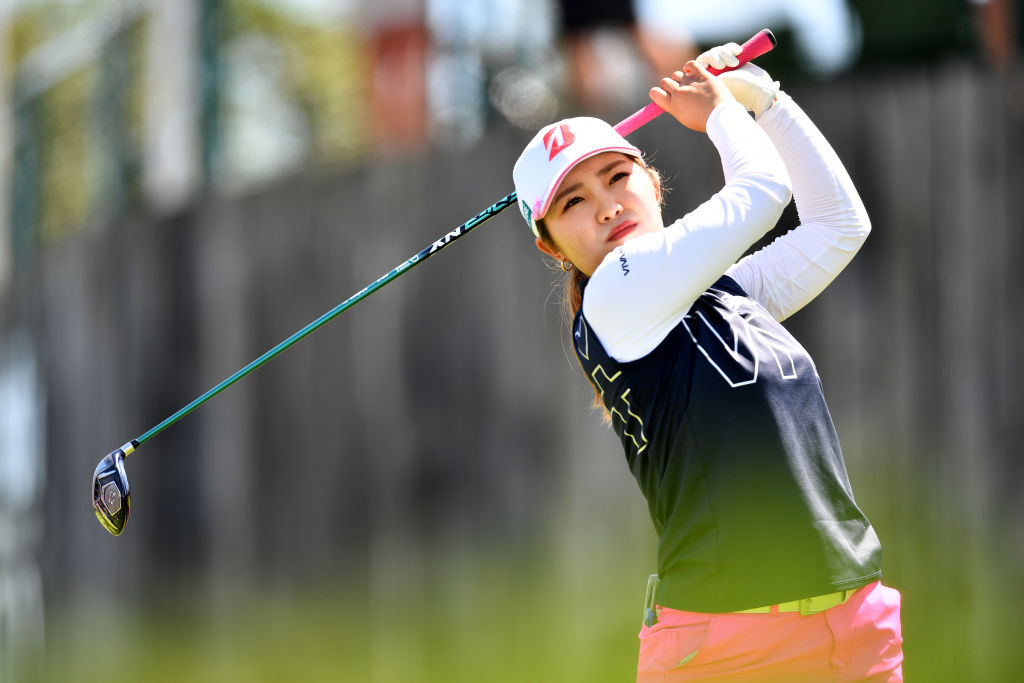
(420, 491)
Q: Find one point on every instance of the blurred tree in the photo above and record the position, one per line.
(916, 31)
(319, 72)
(211, 38)
(67, 183)
(77, 119)
(80, 94)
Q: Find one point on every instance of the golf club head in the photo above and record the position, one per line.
(110, 498)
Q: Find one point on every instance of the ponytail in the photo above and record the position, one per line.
(572, 295)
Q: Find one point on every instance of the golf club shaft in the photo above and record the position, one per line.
(760, 43)
(485, 215)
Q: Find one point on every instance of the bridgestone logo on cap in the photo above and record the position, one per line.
(557, 139)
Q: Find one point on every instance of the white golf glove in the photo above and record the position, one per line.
(750, 84)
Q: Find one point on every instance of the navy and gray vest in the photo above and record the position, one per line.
(725, 428)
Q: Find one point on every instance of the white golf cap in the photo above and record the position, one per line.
(552, 154)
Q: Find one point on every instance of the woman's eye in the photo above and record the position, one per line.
(571, 203)
(619, 176)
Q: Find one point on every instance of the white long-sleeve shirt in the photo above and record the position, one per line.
(632, 309)
(720, 411)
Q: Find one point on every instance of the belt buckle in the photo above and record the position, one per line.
(824, 602)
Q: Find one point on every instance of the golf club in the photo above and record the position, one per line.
(110, 493)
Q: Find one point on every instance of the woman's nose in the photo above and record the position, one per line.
(609, 209)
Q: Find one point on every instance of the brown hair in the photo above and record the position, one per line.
(574, 281)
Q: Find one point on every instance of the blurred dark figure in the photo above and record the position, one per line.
(580, 22)
(996, 26)
(397, 41)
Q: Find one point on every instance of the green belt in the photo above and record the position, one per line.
(807, 606)
(819, 603)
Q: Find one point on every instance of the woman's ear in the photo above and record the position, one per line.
(549, 250)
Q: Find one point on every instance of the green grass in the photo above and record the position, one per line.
(467, 620)
(565, 611)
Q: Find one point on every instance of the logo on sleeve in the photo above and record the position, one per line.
(557, 139)
(623, 263)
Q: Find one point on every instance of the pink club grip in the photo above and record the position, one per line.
(760, 43)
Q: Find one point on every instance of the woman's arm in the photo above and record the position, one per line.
(796, 267)
(643, 289)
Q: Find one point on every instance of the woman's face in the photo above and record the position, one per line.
(602, 202)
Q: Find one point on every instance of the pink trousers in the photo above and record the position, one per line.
(859, 640)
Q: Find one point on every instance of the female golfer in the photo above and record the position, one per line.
(767, 569)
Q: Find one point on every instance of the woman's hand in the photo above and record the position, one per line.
(749, 84)
(691, 95)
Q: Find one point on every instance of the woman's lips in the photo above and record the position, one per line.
(621, 231)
